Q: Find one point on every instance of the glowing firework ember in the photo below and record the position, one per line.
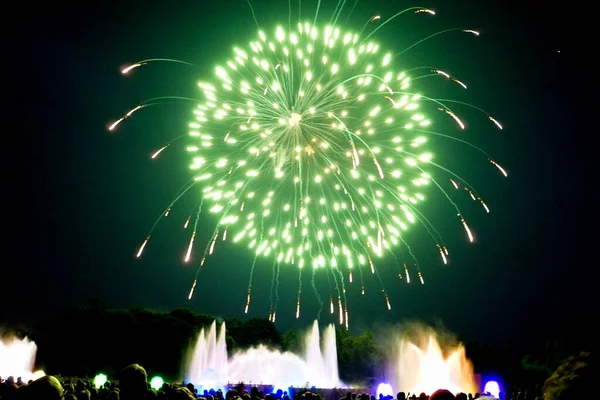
(310, 148)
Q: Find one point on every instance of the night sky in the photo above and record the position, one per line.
(83, 199)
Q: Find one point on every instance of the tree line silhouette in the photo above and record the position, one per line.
(84, 341)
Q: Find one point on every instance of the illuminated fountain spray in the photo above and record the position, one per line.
(210, 367)
(422, 365)
(321, 362)
(17, 359)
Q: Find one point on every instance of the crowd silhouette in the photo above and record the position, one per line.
(551, 370)
(132, 384)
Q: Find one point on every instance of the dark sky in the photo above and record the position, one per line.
(85, 199)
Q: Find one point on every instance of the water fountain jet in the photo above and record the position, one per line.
(17, 359)
(422, 364)
(210, 366)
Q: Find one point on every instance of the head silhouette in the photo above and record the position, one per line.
(133, 382)
(442, 394)
(47, 388)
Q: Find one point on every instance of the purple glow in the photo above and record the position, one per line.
(493, 388)
(384, 389)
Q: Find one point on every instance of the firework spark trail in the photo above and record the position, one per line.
(317, 12)
(128, 69)
(362, 281)
(415, 263)
(343, 303)
(383, 290)
(456, 208)
(437, 72)
(194, 230)
(307, 146)
(166, 145)
(334, 13)
(317, 295)
(434, 35)
(271, 292)
(351, 11)
(397, 264)
(339, 12)
(488, 115)
(416, 9)
(430, 229)
(443, 107)
(276, 289)
(299, 293)
(250, 284)
(253, 15)
(182, 192)
(251, 278)
(462, 141)
(370, 20)
(472, 192)
(290, 15)
(114, 125)
(338, 291)
(464, 181)
(150, 102)
(157, 152)
(330, 293)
